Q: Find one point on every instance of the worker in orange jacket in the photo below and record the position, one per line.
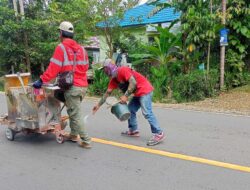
(61, 61)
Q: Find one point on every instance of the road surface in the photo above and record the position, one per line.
(202, 151)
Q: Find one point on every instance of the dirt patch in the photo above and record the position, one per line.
(234, 102)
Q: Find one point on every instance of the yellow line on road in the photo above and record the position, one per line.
(174, 155)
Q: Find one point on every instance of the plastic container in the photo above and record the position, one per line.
(13, 81)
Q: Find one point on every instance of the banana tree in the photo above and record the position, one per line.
(161, 55)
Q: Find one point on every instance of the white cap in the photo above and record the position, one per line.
(67, 27)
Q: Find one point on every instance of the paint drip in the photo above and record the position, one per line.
(85, 119)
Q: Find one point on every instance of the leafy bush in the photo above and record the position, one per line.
(235, 66)
(143, 68)
(195, 86)
(231, 81)
(246, 76)
(159, 79)
(1, 84)
(100, 83)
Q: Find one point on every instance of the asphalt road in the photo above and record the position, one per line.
(186, 160)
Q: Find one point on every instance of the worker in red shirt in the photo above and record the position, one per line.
(132, 82)
(61, 61)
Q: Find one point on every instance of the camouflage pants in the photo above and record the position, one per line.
(73, 99)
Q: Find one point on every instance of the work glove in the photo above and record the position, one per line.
(38, 84)
(95, 108)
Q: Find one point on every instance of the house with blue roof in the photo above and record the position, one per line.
(141, 21)
(148, 13)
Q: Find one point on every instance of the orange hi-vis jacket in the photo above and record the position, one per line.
(63, 59)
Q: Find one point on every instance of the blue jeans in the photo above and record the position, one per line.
(145, 103)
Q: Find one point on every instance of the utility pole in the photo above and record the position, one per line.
(222, 48)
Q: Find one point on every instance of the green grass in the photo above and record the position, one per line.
(245, 88)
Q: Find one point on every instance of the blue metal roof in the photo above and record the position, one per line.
(147, 14)
(143, 14)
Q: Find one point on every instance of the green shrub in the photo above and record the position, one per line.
(1, 84)
(246, 76)
(159, 79)
(100, 83)
(231, 81)
(195, 86)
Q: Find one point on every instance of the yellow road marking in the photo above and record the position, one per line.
(174, 155)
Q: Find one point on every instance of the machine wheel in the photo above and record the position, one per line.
(10, 134)
(60, 139)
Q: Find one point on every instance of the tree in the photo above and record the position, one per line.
(161, 55)
(199, 24)
(37, 35)
(18, 37)
(107, 14)
(238, 17)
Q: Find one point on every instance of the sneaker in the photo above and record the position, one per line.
(69, 137)
(84, 144)
(131, 133)
(156, 139)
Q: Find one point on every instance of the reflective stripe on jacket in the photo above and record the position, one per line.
(62, 60)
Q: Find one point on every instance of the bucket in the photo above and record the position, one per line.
(121, 111)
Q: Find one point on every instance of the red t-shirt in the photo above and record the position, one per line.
(143, 86)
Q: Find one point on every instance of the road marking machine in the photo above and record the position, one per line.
(32, 110)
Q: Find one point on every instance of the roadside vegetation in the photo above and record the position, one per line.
(182, 66)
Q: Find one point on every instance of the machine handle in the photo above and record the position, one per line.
(21, 81)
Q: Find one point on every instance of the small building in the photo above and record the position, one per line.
(93, 49)
(142, 20)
